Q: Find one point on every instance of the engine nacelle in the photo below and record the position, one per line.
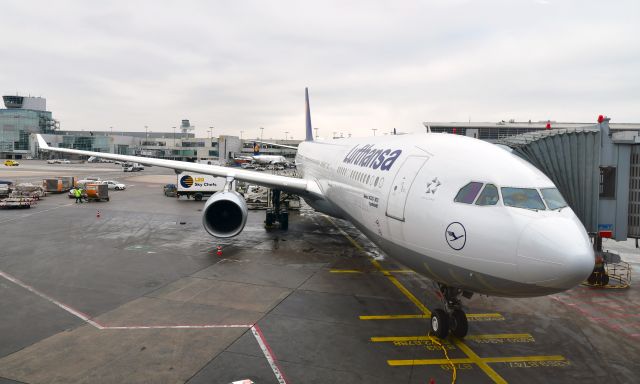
(225, 214)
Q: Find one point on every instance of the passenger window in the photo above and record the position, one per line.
(468, 193)
(527, 198)
(489, 195)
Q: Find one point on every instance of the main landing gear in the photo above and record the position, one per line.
(276, 214)
(452, 318)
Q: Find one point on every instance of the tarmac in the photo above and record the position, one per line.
(140, 295)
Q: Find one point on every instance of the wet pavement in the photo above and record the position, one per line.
(138, 295)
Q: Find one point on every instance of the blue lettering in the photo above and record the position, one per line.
(388, 162)
(370, 157)
(380, 159)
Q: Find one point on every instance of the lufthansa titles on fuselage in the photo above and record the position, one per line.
(369, 157)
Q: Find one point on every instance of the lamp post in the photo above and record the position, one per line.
(111, 130)
(316, 129)
(374, 131)
(286, 134)
(174, 136)
(146, 133)
(211, 135)
(261, 132)
(241, 135)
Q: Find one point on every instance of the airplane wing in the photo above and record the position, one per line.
(284, 183)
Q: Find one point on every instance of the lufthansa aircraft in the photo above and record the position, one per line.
(465, 213)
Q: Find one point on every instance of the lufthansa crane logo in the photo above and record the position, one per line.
(186, 181)
(456, 236)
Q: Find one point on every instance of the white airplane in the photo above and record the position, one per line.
(259, 158)
(465, 213)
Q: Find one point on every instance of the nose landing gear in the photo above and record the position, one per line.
(452, 318)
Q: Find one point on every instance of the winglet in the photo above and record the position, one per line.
(41, 143)
(309, 136)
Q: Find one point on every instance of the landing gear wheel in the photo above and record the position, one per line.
(439, 323)
(459, 323)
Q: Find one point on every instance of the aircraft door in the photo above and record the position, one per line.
(401, 186)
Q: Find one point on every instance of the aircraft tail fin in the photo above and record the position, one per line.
(256, 149)
(309, 136)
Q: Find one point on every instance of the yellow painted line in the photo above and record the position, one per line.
(398, 363)
(497, 379)
(357, 271)
(499, 336)
(376, 264)
(479, 362)
(380, 339)
(486, 315)
(523, 359)
(470, 316)
(410, 296)
(393, 317)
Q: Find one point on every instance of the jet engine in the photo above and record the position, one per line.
(225, 214)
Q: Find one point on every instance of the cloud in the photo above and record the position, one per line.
(244, 64)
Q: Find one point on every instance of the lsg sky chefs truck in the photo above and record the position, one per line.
(198, 186)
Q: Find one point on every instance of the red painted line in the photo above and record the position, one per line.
(268, 354)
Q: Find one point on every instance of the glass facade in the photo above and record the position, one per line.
(17, 124)
(86, 143)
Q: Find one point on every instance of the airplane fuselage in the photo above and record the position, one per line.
(400, 191)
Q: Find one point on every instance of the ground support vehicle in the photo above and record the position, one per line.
(135, 167)
(28, 190)
(5, 188)
(198, 186)
(170, 190)
(17, 202)
(59, 184)
(11, 163)
(97, 192)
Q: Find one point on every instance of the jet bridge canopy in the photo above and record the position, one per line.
(597, 172)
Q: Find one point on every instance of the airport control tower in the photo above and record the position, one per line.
(186, 127)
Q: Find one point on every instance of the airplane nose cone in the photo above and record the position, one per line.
(555, 253)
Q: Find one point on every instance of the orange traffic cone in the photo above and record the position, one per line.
(98, 214)
(219, 251)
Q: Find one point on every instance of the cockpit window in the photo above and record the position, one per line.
(527, 198)
(468, 193)
(553, 198)
(489, 195)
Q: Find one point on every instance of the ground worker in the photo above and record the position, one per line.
(78, 193)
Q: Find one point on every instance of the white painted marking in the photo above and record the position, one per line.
(35, 213)
(84, 317)
(204, 326)
(268, 354)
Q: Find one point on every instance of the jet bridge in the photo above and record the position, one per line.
(595, 169)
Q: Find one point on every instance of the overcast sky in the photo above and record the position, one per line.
(241, 65)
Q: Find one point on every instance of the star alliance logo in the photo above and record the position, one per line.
(433, 185)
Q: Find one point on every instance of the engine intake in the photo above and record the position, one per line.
(225, 214)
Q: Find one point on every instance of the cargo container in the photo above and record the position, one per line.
(59, 184)
(97, 192)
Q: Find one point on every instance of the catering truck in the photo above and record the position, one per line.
(198, 186)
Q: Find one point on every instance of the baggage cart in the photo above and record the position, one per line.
(97, 192)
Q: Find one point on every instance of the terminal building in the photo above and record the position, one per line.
(23, 116)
